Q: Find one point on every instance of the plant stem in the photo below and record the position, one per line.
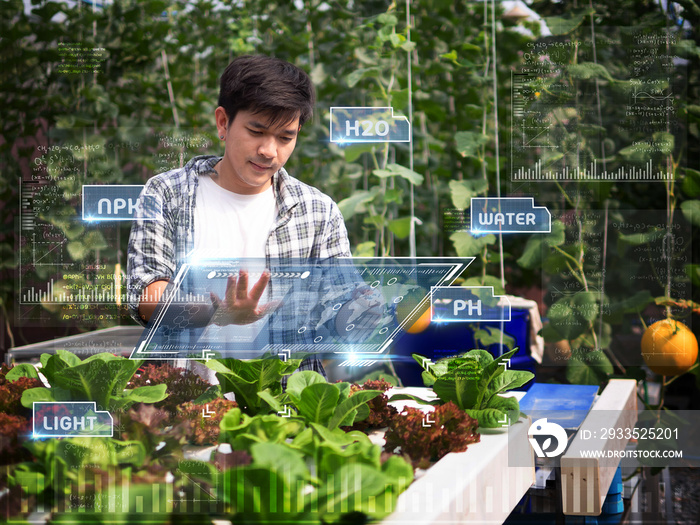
(679, 375)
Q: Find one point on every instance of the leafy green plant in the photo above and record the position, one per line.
(255, 382)
(279, 487)
(473, 381)
(313, 473)
(101, 378)
(327, 404)
(58, 462)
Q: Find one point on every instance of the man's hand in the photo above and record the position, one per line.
(239, 306)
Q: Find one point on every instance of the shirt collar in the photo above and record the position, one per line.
(286, 200)
(281, 182)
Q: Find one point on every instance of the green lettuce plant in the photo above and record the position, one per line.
(58, 463)
(101, 378)
(255, 382)
(473, 381)
(301, 473)
(279, 486)
(317, 401)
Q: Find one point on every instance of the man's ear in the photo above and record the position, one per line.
(221, 118)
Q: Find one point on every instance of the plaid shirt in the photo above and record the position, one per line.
(308, 225)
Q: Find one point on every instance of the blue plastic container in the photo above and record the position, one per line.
(447, 339)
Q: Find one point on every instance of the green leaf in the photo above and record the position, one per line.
(399, 99)
(410, 175)
(587, 70)
(364, 249)
(393, 195)
(89, 381)
(537, 243)
(22, 370)
(284, 460)
(353, 151)
(636, 303)
(434, 369)
(358, 74)
(691, 182)
(562, 25)
(502, 411)
(487, 280)
(510, 380)
(29, 477)
(664, 141)
(353, 204)
(469, 143)
(352, 483)
(246, 378)
(572, 315)
(69, 357)
(299, 381)
(387, 20)
(260, 494)
(36, 395)
(399, 472)
(461, 385)
(411, 397)
(342, 411)
(489, 417)
(129, 452)
(489, 335)
(401, 227)
(211, 393)
(271, 400)
(462, 191)
(51, 366)
(637, 239)
(467, 245)
(693, 271)
(147, 394)
(691, 212)
(338, 436)
(317, 402)
(77, 250)
(591, 368)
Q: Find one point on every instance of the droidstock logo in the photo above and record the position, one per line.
(555, 436)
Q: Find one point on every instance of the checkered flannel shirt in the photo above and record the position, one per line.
(308, 225)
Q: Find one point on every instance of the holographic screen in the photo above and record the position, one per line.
(338, 306)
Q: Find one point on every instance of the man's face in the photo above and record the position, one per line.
(254, 150)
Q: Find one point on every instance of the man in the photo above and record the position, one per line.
(243, 204)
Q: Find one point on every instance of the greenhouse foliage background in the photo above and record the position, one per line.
(149, 106)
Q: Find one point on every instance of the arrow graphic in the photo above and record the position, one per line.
(208, 413)
(427, 420)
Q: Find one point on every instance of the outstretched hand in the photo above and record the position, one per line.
(240, 306)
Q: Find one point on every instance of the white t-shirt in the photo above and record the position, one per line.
(230, 225)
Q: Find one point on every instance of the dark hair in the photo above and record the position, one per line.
(263, 84)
